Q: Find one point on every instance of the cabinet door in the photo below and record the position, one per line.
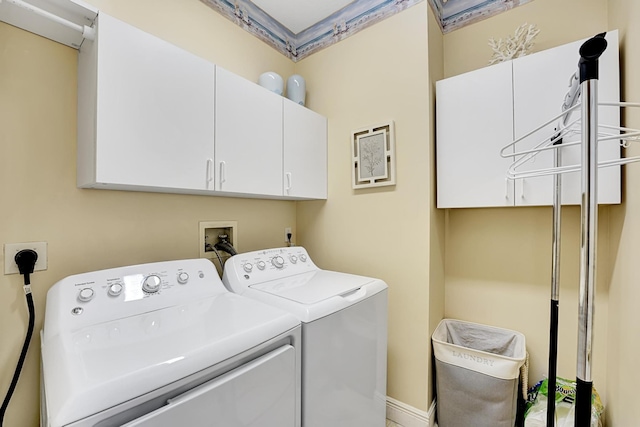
(305, 152)
(155, 109)
(540, 83)
(248, 126)
(474, 121)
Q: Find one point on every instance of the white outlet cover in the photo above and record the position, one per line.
(11, 249)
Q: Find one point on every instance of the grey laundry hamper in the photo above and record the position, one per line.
(477, 372)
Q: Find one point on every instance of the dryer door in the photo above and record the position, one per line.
(261, 393)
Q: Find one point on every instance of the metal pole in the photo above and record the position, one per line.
(570, 100)
(555, 290)
(587, 251)
(590, 51)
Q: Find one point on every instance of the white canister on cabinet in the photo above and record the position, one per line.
(271, 81)
(296, 89)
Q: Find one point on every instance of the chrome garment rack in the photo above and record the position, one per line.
(583, 88)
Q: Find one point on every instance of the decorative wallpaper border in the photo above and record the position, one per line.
(347, 21)
(454, 14)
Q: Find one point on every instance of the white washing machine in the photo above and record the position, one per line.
(344, 332)
(165, 345)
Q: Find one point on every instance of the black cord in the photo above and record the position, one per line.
(219, 258)
(23, 355)
(26, 260)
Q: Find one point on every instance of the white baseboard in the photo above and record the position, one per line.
(408, 416)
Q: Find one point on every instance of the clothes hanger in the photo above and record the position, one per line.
(548, 141)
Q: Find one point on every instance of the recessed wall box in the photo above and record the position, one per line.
(212, 232)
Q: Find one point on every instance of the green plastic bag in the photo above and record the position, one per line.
(565, 395)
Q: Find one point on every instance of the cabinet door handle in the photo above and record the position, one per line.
(222, 172)
(507, 182)
(209, 171)
(289, 181)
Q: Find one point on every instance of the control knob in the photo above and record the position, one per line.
(183, 277)
(248, 267)
(85, 294)
(293, 259)
(151, 284)
(303, 258)
(115, 289)
(277, 261)
(261, 265)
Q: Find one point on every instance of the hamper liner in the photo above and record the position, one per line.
(477, 372)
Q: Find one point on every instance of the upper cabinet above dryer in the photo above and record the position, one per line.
(480, 112)
(248, 137)
(154, 117)
(145, 113)
(267, 145)
(305, 152)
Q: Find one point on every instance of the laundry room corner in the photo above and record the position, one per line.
(501, 257)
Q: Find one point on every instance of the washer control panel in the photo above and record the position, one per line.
(260, 266)
(91, 298)
(131, 287)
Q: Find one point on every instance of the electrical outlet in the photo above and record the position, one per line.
(11, 249)
(287, 231)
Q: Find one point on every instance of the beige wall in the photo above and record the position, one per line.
(376, 75)
(437, 216)
(559, 21)
(624, 320)
(94, 229)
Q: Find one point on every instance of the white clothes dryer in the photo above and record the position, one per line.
(344, 332)
(165, 345)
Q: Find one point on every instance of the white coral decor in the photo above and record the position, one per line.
(514, 46)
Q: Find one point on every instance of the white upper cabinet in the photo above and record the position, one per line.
(265, 144)
(480, 112)
(146, 113)
(153, 117)
(248, 137)
(474, 119)
(305, 152)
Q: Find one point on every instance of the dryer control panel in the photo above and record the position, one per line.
(270, 264)
(91, 298)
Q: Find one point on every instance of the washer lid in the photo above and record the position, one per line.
(313, 287)
(91, 369)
